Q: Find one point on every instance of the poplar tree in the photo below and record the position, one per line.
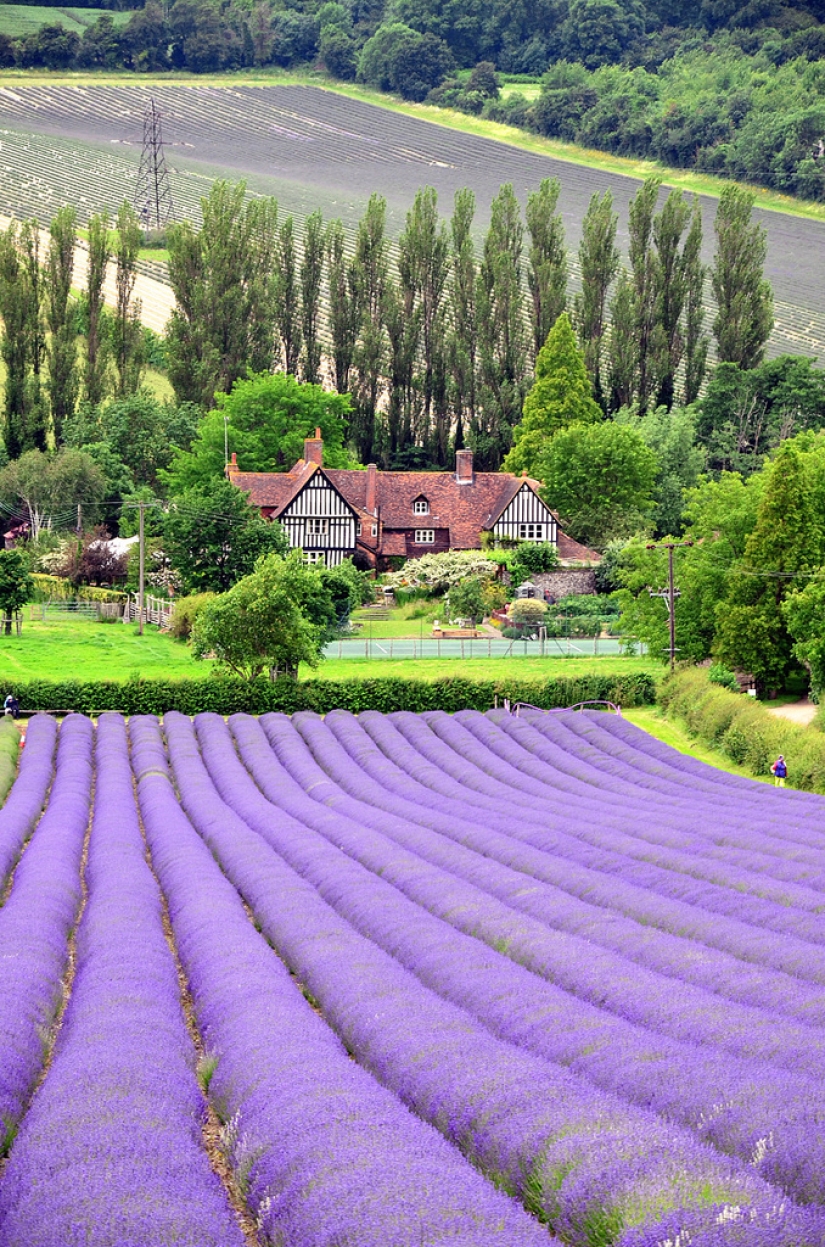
(462, 324)
(423, 269)
(34, 286)
(344, 307)
(644, 277)
(623, 352)
(401, 321)
(502, 339)
(312, 273)
(14, 344)
(744, 319)
(668, 340)
(696, 340)
(127, 336)
(547, 268)
(94, 372)
(61, 346)
(599, 264)
(289, 298)
(371, 273)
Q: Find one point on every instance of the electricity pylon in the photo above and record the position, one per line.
(153, 194)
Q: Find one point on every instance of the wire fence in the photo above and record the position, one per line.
(482, 647)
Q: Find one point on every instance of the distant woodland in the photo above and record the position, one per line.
(719, 86)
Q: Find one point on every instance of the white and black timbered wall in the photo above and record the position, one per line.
(321, 523)
(526, 519)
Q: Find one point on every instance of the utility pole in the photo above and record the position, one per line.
(225, 439)
(153, 194)
(671, 593)
(142, 565)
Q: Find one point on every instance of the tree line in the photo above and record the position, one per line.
(436, 340)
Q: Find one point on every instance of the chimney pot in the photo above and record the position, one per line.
(314, 449)
(234, 459)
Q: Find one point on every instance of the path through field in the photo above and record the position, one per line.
(348, 980)
(312, 148)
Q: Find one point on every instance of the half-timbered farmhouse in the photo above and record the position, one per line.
(335, 513)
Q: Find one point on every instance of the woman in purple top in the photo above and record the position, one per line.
(780, 770)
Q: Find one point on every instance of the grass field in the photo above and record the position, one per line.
(678, 737)
(24, 19)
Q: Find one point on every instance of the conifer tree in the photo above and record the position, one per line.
(547, 270)
(744, 299)
(562, 394)
(61, 347)
(94, 372)
(312, 272)
(599, 263)
(502, 339)
(785, 543)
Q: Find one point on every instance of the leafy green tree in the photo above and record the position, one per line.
(785, 544)
(61, 346)
(803, 611)
(667, 346)
(599, 264)
(644, 275)
(599, 478)
(50, 487)
(623, 356)
(262, 624)
(15, 585)
(695, 339)
(744, 319)
(561, 395)
(94, 373)
(531, 558)
(672, 436)
(501, 336)
(127, 335)
(597, 32)
(474, 598)
(268, 417)
(370, 269)
(289, 298)
(547, 267)
(213, 537)
(312, 272)
(14, 345)
(461, 342)
(344, 307)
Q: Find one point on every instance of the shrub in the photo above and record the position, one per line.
(9, 749)
(743, 729)
(184, 613)
(528, 610)
(720, 674)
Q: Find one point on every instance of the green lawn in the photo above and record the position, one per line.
(82, 649)
(678, 737)
(515, 668)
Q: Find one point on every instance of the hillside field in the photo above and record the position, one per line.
(24, 19)
(314, 148)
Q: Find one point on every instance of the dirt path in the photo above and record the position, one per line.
(156, 298)
(802, 712)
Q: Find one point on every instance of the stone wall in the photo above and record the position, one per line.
(565, 581)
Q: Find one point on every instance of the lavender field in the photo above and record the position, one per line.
(393, 981)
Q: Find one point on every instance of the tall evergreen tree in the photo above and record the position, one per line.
(128, 332)
(696, 340)
(312, 273)
(547, 268)
(61, 349)
(599, 263)
(462, 326)
(289, 298)
(744, 318)
(94, 372)
(371, 273)
(344, 307)
(502, 339)
(561, 395)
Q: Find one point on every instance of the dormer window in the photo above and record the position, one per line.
(421, 507)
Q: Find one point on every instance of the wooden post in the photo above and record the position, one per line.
(142, 566)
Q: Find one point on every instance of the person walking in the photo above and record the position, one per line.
(11, 706)
(779, 770)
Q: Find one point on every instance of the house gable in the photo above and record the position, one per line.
(318, 519)
(526, 518)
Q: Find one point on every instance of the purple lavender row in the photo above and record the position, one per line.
(521, 754)
(479, 856)
(591, 1165)
(28, 792)
(758, 821)
(602, 977)
(36, 921)
(731, 1102)
(111, 1151)
(327, 1155)
(585, 830)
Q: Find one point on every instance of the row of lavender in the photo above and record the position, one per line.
(494, 1082)
(518, 1019)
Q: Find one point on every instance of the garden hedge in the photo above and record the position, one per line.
(743, 729)
(231, 696)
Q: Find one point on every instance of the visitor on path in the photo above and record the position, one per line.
(779, 770)
(11, 706)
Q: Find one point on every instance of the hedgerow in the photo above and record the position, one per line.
(226, 695)
(743, 729)
(9, 748)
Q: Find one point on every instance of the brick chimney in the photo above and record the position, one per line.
(372, 481)
(232, 466)
(464, 467)
(314, 449)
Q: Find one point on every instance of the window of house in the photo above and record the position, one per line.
(315, 556)
(531, 532)
(421, 507)
(358, 529)
(424, 536)
(318, 528)
(374, 531)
